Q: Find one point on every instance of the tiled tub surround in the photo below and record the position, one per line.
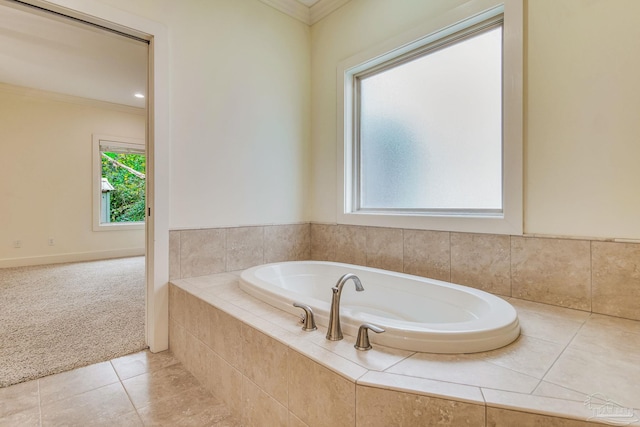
(205, 251)
(590, 275)
(269, 372)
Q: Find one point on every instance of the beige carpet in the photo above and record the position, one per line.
(55, 318)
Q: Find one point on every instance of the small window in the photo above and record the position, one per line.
(119, 183)
(431, 129)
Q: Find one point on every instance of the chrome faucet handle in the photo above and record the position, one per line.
(307, 320)
(362, 342)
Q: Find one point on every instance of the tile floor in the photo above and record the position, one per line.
(141, 389)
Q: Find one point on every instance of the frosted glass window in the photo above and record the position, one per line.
(429, 129)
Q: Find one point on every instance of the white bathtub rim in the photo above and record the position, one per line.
(399, 334)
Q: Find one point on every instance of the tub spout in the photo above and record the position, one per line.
(334, 332)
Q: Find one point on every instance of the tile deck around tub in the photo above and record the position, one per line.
(563, 362)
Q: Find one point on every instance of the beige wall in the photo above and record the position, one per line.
(45, 178)
(239, 111)
(253, 109)
(583, 127)
(582, 103)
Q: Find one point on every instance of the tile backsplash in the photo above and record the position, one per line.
(207, 251)
(590, 275)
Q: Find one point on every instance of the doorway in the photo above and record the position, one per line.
(156, 274)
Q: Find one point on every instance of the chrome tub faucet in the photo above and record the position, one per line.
(334, 332)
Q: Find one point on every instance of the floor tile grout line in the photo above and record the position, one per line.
(126, 392)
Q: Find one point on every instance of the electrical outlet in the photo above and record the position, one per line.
(17, 244)
(51, 241)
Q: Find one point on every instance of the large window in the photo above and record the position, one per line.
(119, 183)
(429, 128)
(431, 137)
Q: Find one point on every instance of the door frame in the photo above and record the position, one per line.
(157, 146)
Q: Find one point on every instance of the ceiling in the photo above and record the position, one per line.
(58, 55)
(55, 54)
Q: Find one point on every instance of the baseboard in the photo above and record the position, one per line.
(71, 257)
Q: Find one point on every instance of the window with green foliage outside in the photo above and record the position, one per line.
(123, 183)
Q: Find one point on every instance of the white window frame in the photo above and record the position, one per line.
(510, 220)
(97, 182)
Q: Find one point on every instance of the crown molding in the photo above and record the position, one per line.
(292, 8)
(308, 15)
(323, 8)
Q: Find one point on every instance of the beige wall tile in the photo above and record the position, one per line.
(260, 409)
(427, 254)
(422, 386)
(497, 417)
(379, 407)
(225, 382)
(351, 244)
(177, 304)
(616, 279)
(384, 248)
(191, 308)
(225, 336)
(481, 261)
(202, 252)
(265, 362)
(177, 340)
(330, 401)
(533, 404)
(323, 242)
(197, 324)
(295, 421)
(552, 271)
(287, 242)
(245, 247)
(195, 358)
(174, 255)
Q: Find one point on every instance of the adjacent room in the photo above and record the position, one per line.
(73, 190)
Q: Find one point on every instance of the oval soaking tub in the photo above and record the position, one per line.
(417, 313)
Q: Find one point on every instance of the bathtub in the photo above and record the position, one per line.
(417, 314)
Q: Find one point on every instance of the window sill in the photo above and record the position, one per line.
(119, 226)
(468, 223)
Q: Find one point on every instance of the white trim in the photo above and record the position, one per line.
(324, 8)
(96, 169)
(158, 150)
(292, 8)
(308, 15)
(71, 257)
(511, 221)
